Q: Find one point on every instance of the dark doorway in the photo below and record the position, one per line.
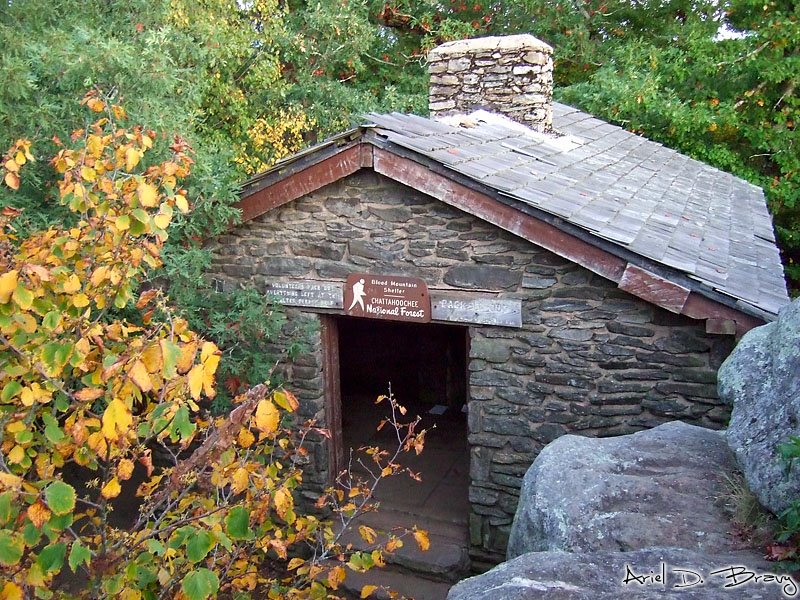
(426, 365)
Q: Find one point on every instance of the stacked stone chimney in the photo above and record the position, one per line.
(511, 75)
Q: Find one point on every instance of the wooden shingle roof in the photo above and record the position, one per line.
(650, 200)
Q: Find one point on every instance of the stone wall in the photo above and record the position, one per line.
(511, 75)
(589, 359)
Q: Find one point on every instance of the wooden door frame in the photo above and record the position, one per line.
(332, 394)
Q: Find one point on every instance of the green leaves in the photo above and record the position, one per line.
(55, 356)
(730, 103)
(199, 545)
(200, 584)
(52, 431)
(11, 389)
(182, 426)
(93, 388)
(170, 353)
(78, 555)
(11, 548)
(60, 497)
(23, 297)
(51, 558)
(6, 499)
(361, 561)
(237, 524)
(51, 320)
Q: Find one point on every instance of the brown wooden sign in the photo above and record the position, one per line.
(390, 297)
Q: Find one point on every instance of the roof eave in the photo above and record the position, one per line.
(328, 163)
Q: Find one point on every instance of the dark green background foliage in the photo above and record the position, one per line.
(209, 70)
(659, 68)
(163, 69)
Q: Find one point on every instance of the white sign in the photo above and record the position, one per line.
(505, 312)
(311, 294)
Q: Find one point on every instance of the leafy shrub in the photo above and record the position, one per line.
(105, 385)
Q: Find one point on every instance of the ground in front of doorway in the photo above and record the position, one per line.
(438, 503)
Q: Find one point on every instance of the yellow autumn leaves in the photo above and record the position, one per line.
(18, 155)
(106, 165)
(113, 487)
(82, 385)
(117, 418)
(266, 418)
(201, 376)
(271, 139)
(8, 285)
(54, 281)
(147, 194)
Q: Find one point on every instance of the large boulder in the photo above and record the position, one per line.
(761, 379)
(603, 576)
(652, 488)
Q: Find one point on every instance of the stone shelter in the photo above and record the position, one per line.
(517, 268)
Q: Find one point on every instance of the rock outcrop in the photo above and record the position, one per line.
(652, 488)
(761, 379)
(629, 517)
(603, 576)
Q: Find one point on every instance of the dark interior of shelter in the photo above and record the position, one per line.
(426, 365)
